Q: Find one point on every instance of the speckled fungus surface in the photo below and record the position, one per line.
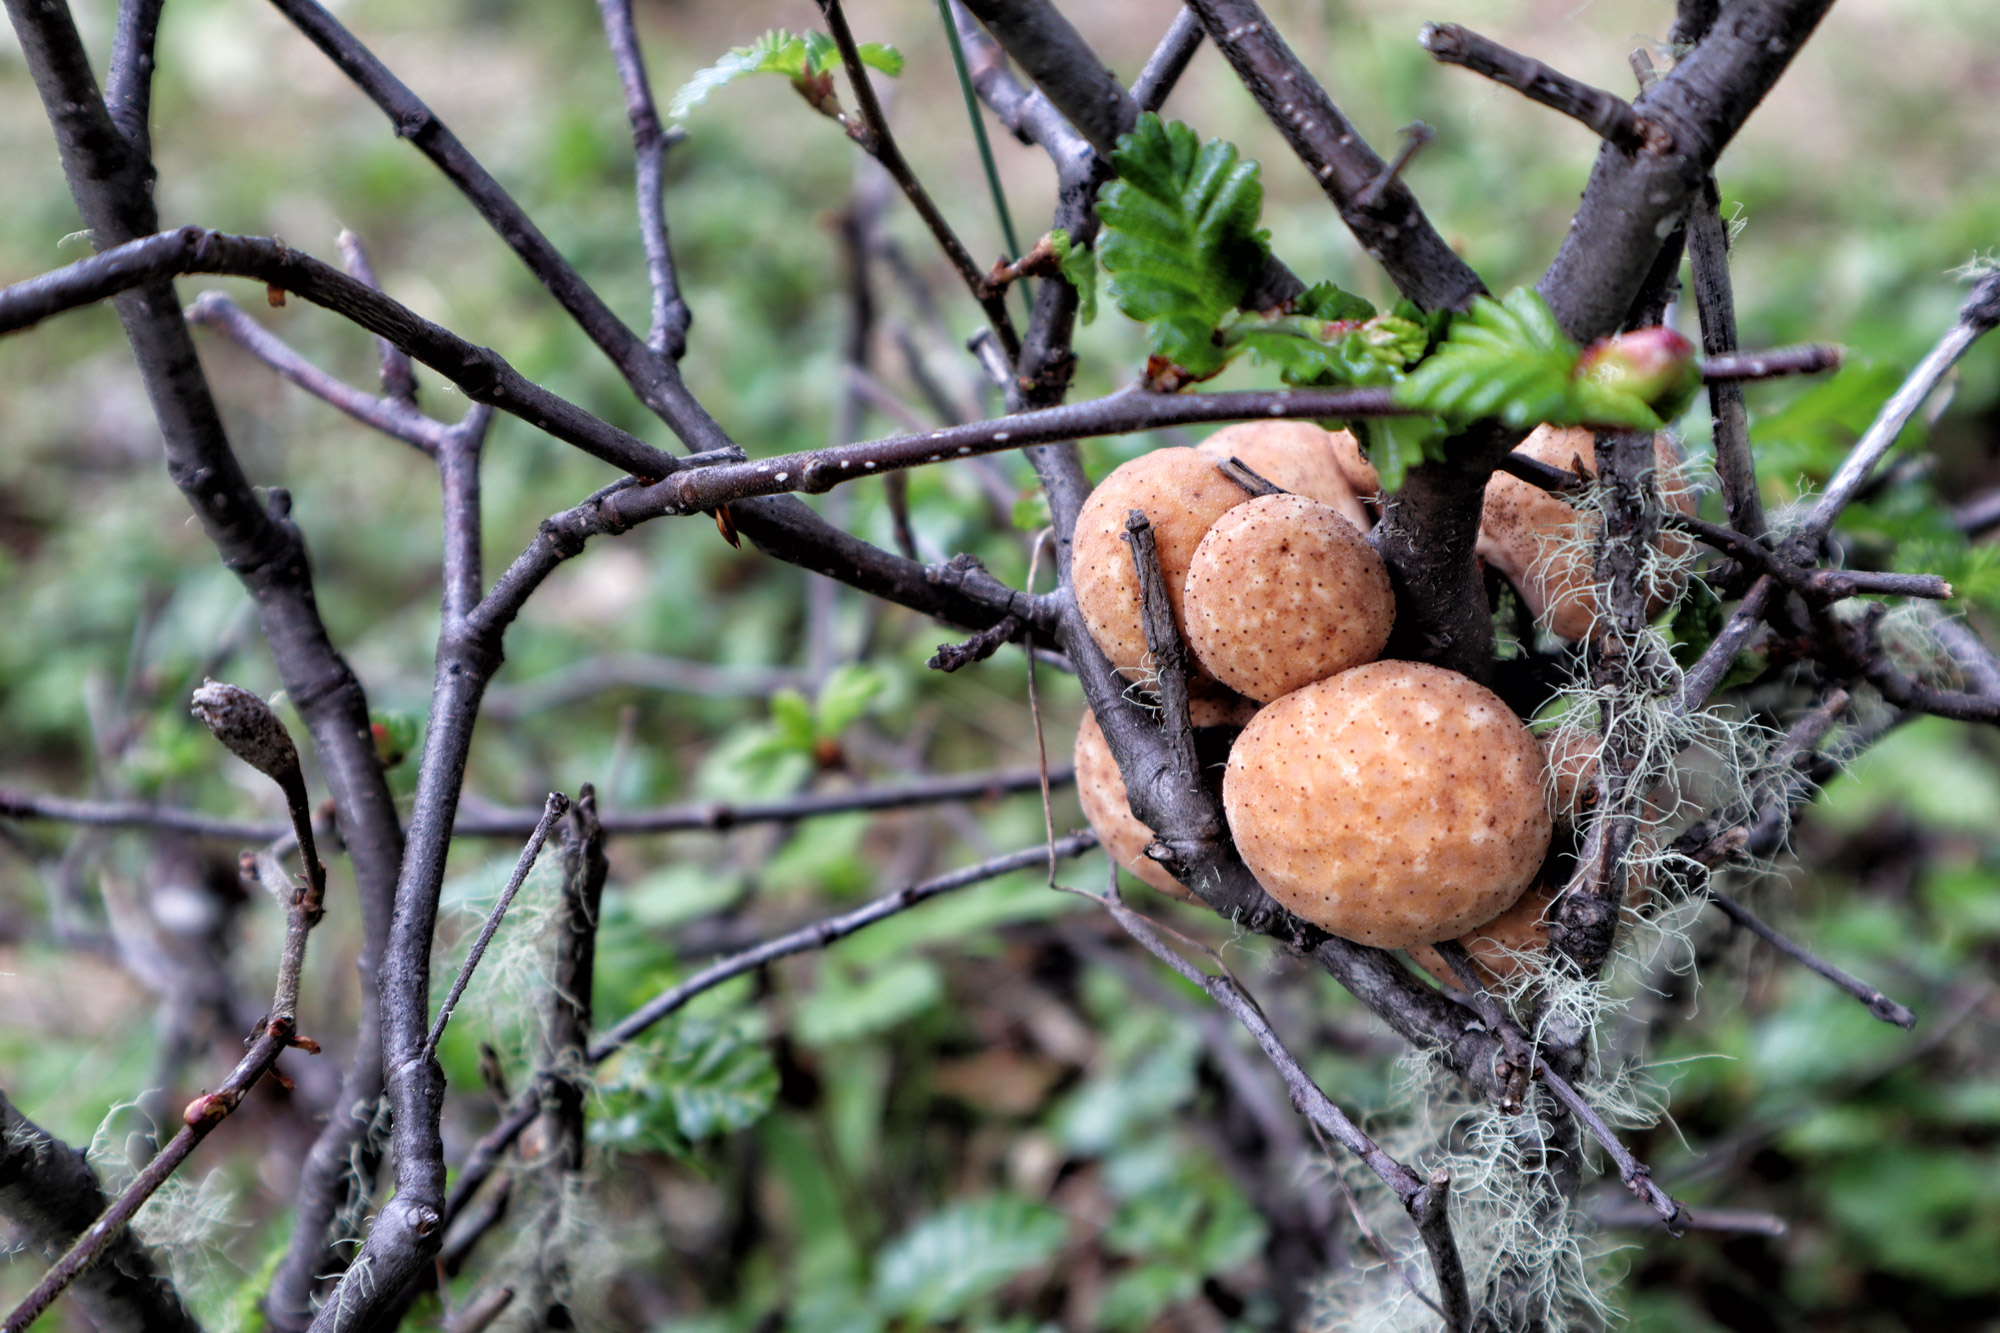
(1283, 592)
(1394, 804)
(1547, 549)
(1101, 789)
(1182, 492)
(1499, 948)
(1360, 474)
(1296, 456)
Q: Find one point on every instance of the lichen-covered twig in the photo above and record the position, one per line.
(552, 811)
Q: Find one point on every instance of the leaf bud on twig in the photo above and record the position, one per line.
(248, 728)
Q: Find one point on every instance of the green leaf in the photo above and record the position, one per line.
(882, 56)
(1181, 244)
(845, 697)
(792, 721)
(1309, 349)
(720, 1080)
(1142, 1293)
(1032, 512)
(1324, 300)
(944, 1263)
(843, 1010)
(1079, 270)
(1509, 360)
(778, 52)
(693, 1080)
(1397, 444)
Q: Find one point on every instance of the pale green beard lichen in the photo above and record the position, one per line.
(1531, 1258)
(186, 1221)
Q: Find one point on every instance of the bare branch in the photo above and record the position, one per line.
(393, 417)
(110, 179)
(567, 1030)
(483, 374)
(1426, 1200)
(872, 134)
(1167, 63)
(128, 82)
(1629, 1213)
(1391, 227)
(203, 1114)
(1638, 1177)
(822, 933)
(668, 335)
(653, 377)
(1823, 585)
(1051, 51)
(1609, 116)
(1806, 359)
(1634, 198)
(15, 804)
(399, 378)
(718, 817)
(1877, 1003)
(1979, 314)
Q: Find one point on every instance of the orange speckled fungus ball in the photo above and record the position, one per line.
(1283, 592)
(1100, 788)
(1394, 804)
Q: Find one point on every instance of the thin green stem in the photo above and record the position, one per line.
(972, 113)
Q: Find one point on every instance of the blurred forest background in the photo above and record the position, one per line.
(989, 1112)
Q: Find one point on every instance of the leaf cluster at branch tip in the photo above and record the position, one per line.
(800, 57)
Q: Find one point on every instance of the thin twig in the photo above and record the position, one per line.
(1608, 115)
(1878, 1004)
(873, 135)
(551, 812)
(49, 1195)
(668, 335)
(1168, 62)
(822, 933)
(395, 417)
(399, 377)
(1729, 366)
(480, 372)
(1735, 1221)
(653, 377)
(1426, 1200)
(1638, 1177)
(203, 1114)
(478, 1314)
(1391, 227)
(1979, 314)
(1416, 137)
(1823, 585)
(1633, 199)
(16, 804)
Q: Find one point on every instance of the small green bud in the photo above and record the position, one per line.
(1656, 366)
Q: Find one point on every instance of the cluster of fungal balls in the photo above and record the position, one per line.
(1392, 803)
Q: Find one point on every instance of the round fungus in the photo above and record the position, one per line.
(1500, 947)
(1182, 492)
(1100, 788)
(1296, 456)
(1547, 550)
(1360, 474)
(1283, 592)
(1394, 804)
